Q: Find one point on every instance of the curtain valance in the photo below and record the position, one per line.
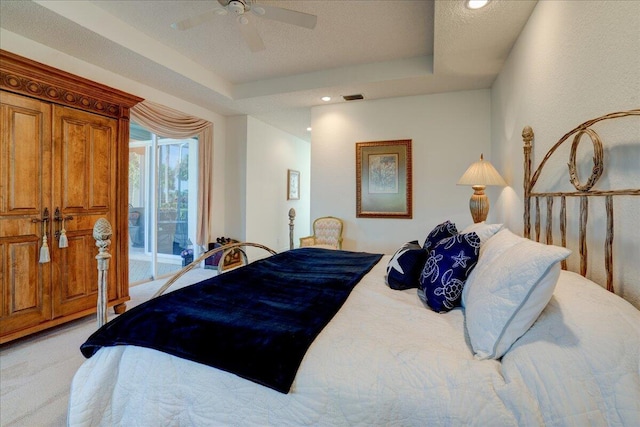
(170, 123)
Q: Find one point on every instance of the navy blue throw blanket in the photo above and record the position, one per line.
(256, 322)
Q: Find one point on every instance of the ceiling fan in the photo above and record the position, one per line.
(239, 9)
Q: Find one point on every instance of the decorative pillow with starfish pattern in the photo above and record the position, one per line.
(445, 272)
(405, 266)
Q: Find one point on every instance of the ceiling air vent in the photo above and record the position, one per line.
(353, 97)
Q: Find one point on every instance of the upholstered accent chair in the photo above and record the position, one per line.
(327, 233)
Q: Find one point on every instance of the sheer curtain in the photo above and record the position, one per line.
(170, 123)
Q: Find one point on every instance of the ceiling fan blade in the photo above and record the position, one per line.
(185, 24)
(287, 16)
(250, 35)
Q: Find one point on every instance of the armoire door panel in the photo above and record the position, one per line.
(29, 153)
(84, 189)
(25, 126)
(102, 157)
(25, 296)
(75, 281)
(72, 149)
(4, 294)
(21, 226)
(87, 146)
(25, 192)
(78, 276)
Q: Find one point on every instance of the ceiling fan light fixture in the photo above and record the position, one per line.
(237, 7)
(476, 4)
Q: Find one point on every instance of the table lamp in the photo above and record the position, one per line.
(478, 176)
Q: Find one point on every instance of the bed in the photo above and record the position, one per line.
(528, 343)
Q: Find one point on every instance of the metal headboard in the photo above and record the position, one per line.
(582, 190)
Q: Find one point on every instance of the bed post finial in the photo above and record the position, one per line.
(102, 232)
(527, 137)
(292, 216)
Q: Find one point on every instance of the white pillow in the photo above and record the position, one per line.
(483, 230)
(489, 252)
(508, 289)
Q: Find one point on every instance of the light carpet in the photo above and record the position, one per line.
(36, 371)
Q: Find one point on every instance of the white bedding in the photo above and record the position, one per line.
(386, 360)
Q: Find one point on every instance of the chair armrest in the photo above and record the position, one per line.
(307, 241)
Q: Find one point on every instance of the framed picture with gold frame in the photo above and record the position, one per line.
(383, 179)
(293, 185)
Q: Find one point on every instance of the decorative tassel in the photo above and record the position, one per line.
(63, 242)
(44, 250)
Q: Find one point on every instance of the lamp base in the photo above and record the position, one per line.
(479, 204)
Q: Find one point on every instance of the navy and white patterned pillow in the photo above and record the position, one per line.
(441, 231)
(446, 270)
(405, 266)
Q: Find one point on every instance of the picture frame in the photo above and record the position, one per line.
(293, 184)
(384, 179)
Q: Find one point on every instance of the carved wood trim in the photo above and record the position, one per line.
(37, 80)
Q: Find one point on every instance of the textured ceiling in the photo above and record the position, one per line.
(397, 29)
(375, 47)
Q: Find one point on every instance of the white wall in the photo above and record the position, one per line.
(235, 191)
(574, 61)
(270, 153)
(448, 133)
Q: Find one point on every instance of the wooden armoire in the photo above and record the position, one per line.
(63, 155)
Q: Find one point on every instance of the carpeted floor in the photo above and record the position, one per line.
(140, 269)
(36, 372)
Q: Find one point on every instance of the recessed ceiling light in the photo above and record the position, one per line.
(309, 129)
(476, 4)
(326, 98)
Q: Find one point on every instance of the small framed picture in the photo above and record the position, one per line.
(293, 185)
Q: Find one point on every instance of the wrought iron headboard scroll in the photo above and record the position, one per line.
(583, 191)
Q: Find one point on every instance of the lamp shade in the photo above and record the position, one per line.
(481, 173)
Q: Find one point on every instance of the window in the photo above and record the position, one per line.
(162, 202)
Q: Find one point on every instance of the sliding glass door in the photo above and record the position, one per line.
(162, 203)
